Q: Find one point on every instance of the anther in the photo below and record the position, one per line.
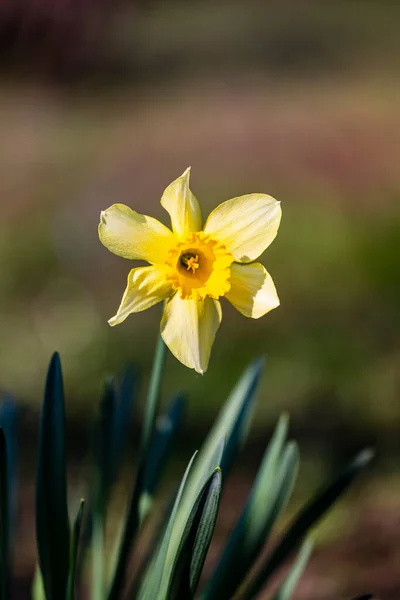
(190, 261)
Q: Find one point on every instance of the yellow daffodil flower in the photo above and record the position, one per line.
(193, 266)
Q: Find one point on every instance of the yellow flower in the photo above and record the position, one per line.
(192, 266)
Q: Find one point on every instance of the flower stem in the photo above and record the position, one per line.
(153, 395)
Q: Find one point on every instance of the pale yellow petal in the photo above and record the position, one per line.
(182, 206)
(146, 286)
(246, 225)
(188, 328)
(131, 235)
(252, 290)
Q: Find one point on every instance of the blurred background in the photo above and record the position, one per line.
(105, 101)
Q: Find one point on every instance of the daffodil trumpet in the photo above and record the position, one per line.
(193, 266)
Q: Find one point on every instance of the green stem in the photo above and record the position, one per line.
(153, 395)
(133, 518)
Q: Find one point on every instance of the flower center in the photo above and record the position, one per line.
(200, 267)
(190, 261)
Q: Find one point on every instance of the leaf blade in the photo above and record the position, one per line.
(307, 518)
(287, 588)
(258, 516)
(4, 519)
(76, 533)
(52, 522)
(195, 541)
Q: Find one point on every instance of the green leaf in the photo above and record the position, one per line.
(195, 541)
(220, 447)
(108, 441)
(205, 530)
(287, 588)
(76, 532)
(126, 397)
(150, 586)
(235, 418)
(113, 426)
(8, 422)
(306, 519)
(52, 524)
(37, 586)
(105, 462)
(4, 520)
(270, 494)
(98, 562)
(164, 434)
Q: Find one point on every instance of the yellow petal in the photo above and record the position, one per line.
(252, 290)
(182, 206)
(246, 225)
(131, 235)
(188, 328)
(146, 286)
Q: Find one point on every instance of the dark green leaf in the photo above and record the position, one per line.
(127, 394)
(164, 434)
(306, 519)
(109, 440)
(268, 497)
(76, 532)
(150, 585)
(195, 541)
(245, 392)
(8, 421)
(4, 520)
(52, 524)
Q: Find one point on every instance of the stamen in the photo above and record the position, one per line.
(193, 264)
(190, 261)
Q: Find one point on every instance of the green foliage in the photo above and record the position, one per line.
(174, 564)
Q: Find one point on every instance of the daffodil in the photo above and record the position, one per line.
(194, 265)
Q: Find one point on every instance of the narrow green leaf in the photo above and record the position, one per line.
(76, 532)
(52, 524)
(165, 431)
(109, 438)
(306, 519)
(8, 421)
(205, 530)
(103, 451)
(195, 541)
(4, 520)
(133, 521)
(98, 562)
(233, 420)
(258, 516)
(37, 585)
(226, 436)
(150, 586)
(287, 588)
(126, 396)
(235, 417)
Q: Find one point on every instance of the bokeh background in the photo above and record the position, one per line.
(109, 101)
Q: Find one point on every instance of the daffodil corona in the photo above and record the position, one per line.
(193, 266)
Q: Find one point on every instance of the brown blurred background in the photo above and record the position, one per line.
(107, 101)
